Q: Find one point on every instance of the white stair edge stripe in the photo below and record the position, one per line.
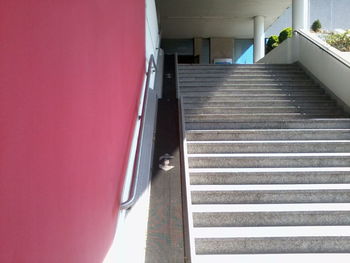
(249, 155)
(217, 107)
(275, 187)
(188, 72)
(269, 170)
(277, 231)
(234, 91)
(230, 84)
(239, 89)
(264, 130)
(270, 142)
(267, 100)
(184, 73)
(185, 82)
(237, 93)
(274, 79)
(299, 88)
(280, 95)
(247, 114)
(183, 86)
(208, 108)
(305, 207)
(233, 74)
(211, 97)
(239, 77)
(273, 258)
(221, 89)
(188, 217)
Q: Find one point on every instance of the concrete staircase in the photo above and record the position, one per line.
(267, 165)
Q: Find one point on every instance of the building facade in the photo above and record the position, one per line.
(333, 14)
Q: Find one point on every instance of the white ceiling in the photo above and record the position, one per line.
(216, 18)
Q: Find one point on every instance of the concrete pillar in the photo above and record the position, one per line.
(300, 14)
(259, 38)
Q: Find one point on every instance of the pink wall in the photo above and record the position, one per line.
(70, 78)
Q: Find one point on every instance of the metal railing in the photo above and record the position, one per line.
(152, 67)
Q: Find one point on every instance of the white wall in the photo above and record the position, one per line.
(332, 73)
(152, 34)
(332, 14)
(152, 29)
(327, 68)
(129, 243)
(285, 53)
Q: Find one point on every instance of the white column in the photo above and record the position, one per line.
(300, 14)
(259, 38)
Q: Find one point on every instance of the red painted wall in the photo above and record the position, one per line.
(70, 78)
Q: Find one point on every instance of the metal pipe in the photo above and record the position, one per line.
(152, 67)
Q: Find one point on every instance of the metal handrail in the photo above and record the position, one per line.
(323, 47)
(152, 67)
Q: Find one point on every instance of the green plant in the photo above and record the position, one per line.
(340, 41)
(285, 33)
(316, 26)
(271, 43)
(274, 41)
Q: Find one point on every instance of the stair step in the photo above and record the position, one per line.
(268, 134)
(228, 78)
(271, 232)
(251, 89)
(264, 104)
(258, 117)
(257, 219)
(267, 161)
(270, 197)
(267, 146)
(235, 68)
(248, 82)
(248, 92)
(268, 187)
(297, 98)
(273, 245)
(271, 176)
(186, 65)
(239, 73)
(271, 208)
(262, 110)
(324, 123)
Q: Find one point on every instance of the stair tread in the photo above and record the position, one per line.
(244, 208)
(271, 219)
(316, 244)
(269, 232)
